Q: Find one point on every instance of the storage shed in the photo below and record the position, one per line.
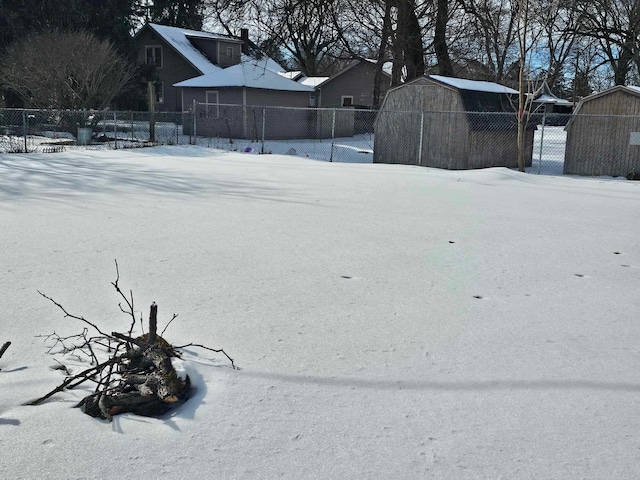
(451, 123)
(603, 136)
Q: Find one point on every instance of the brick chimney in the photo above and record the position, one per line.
(244, 36)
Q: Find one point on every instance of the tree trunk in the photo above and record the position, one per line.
(386, 32)
(409, 35)
(440, 39)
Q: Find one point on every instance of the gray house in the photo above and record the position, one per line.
(451, 123)
(178, 54)
(232, 103)
(603, 135)
(350, 87)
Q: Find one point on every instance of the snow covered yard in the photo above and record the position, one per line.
(389, 321)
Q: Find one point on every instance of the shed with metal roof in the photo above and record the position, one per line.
(452, 123)
(603, 135)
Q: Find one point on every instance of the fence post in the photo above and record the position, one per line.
(195, 122)
(421, 138)
(115, 130)
(544, 117)
(132, 137)
(264, 124)
(24, 128)
(333, 133)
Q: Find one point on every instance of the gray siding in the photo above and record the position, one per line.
(357, 81)
(174, 69)
(216, 50)
(233, 118)
(600, 145)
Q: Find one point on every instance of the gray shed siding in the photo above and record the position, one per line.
(600, 145)
(397, 128)
(447, 139)
(357, 81)
(174, 69)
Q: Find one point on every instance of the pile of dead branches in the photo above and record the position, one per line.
(137, 376)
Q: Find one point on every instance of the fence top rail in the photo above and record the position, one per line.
(325, 109)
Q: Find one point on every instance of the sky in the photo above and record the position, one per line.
(387, 321)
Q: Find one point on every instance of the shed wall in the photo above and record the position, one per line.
(449, 139)
(600, 145)
(397, 128)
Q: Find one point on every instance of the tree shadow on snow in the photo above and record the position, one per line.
(56, 176)
(450, 386)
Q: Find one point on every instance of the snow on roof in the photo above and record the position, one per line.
(313, 81)
(634, 88)
(263, 62)
(552, 99)
(291, 75)
(178, 38)
(476, 85)
(246, 74)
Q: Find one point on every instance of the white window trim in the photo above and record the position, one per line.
(146, 56)
(342, 99)
(209, 104)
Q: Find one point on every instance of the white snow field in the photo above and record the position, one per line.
(388, 321)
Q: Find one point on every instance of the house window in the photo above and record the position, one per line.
(312, 101)
(211, 104)
(154, 55)
(159, 88)
(347, 101)
(230, 53)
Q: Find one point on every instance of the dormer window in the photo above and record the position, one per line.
(153, 55)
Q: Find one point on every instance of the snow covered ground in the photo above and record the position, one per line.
(389, 321)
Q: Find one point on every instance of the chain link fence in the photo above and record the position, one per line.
(52, 131)
(338, 135)
(555, 144)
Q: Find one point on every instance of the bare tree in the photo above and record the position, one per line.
(493, 29)
(615, 24)
(65, 70)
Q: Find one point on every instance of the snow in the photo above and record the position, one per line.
(262, 62)
(313, 81)
(295, 75)
(178, 38)
(247, 74)
(477, 85)
(389, 321)
(553, 99)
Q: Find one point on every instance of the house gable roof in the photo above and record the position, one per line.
(313, 81)
(295, 75)
(351, 65)
(246, 74)
(547, 97)
(178, 39)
